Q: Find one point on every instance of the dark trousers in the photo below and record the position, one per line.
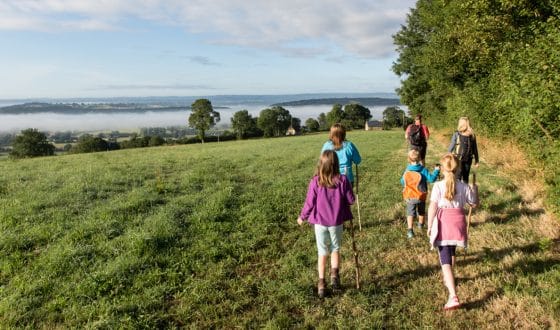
(463, 174)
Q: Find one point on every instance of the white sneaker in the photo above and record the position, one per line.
(452, 303)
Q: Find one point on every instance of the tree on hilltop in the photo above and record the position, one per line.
(243, 124)
(336, 115)
(88, 143)
(274, 121)
(394, 117)
(356, 115)
(323, 122)
(31, 143)
(203, 117)
(312, 125)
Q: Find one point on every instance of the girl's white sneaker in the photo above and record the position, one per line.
(452, 303)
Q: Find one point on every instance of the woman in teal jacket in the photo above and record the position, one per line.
(345, 150)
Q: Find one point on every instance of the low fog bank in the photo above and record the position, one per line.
(52, 122)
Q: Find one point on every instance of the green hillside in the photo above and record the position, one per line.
(205, 236)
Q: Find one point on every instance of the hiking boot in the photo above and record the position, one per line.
(452, 303)
(335, 279)
(321, 288)
(410, 233)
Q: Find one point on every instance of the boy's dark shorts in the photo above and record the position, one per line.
(415, 207)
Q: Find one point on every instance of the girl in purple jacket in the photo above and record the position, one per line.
(327, 206)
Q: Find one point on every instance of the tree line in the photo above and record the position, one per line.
(271, 122)
(276, 120)
(495, 61)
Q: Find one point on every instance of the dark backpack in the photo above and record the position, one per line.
(463, 147)
(416, 135)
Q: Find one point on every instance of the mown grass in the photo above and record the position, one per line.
(204, 236)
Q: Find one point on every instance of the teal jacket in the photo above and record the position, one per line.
(347, 155)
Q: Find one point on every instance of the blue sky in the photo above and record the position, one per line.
(109, 48)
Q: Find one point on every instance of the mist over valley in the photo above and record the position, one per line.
(134, 113)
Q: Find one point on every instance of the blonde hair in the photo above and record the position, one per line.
(413, 156)
(464, 126)
(449, 166)
(337, 135)
(328, 169)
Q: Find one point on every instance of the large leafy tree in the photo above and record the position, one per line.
(414, 61)
(243, 124)
(296, 124)
(312, 125)
(31, 143)
(88, 143)
(356, 115)
(495, 61)
(274, 121)
(393, 117)
(323, 122)
(203, 117)
(336, 115)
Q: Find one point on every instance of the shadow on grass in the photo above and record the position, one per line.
(507, 210)
(479, 303)
(373, 223)
(515, 214)
(526, 268)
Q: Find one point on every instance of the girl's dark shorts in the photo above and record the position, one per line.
(445, 254)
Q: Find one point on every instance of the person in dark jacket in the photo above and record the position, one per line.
(463, 146)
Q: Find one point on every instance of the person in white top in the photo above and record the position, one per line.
(447, 225)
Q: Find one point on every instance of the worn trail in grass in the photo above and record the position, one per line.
(205, 236)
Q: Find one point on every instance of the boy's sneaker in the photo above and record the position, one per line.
(420, 225)
(452, 303)
(410, 233)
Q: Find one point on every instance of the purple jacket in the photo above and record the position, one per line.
(328, 206)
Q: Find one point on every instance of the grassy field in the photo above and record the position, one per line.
(205, 236)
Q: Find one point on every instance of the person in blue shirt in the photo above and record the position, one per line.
(345, 150)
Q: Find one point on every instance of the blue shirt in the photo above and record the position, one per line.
(347, 155)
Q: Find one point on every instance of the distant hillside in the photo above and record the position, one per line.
(81, 108)
(145, 104)
(365, 101)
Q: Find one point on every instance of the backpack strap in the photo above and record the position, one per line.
(457, 148)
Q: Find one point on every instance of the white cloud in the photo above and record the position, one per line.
(202, 60)
(361, 27)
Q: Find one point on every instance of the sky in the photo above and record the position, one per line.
(136, 48)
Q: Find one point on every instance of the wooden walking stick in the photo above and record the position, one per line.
(470, 210)
(355, 250)
(358, 198)
(470, 206)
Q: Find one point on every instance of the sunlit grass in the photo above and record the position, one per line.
(205, 236)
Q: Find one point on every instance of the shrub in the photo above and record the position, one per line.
(31, 143)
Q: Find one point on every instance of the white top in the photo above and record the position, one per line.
(463, 195)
